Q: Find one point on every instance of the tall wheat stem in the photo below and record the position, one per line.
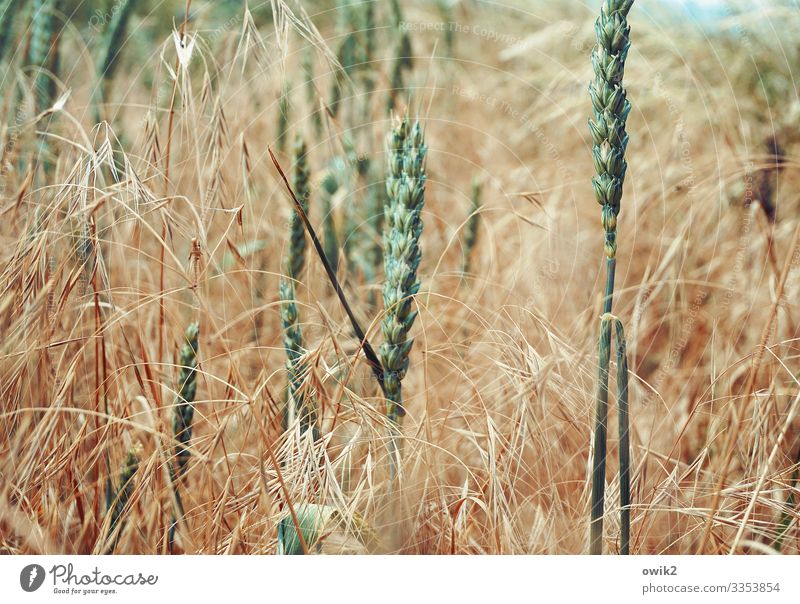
(610, 111)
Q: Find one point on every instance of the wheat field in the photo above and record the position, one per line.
(142, 195)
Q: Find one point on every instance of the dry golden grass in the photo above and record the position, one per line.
(100, 278)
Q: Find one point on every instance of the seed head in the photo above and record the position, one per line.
(301, 183)
(405, 188)
(187, 389)
(610, 108)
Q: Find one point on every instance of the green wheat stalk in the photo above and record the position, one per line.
(405, 188)
(112, 49)
(397, 83)
(299, 405)
(598, 483)
(610, 109)
(183, 415)
(8, 10)
(184, 401)
(116, 504)
(403, 56)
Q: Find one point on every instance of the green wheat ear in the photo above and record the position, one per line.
(39, 48)
(301, 183)
(347, 53)
(115, 35)
(299, 403)
(184, 401)
(43, 56)
(312, 520)
(8, 10)
(330, 238)
(183, 416)
(112, 45)
(311, 91)
(117, 503)
(405, 188)
(54, 60)
(610, 108)
(284, 107)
